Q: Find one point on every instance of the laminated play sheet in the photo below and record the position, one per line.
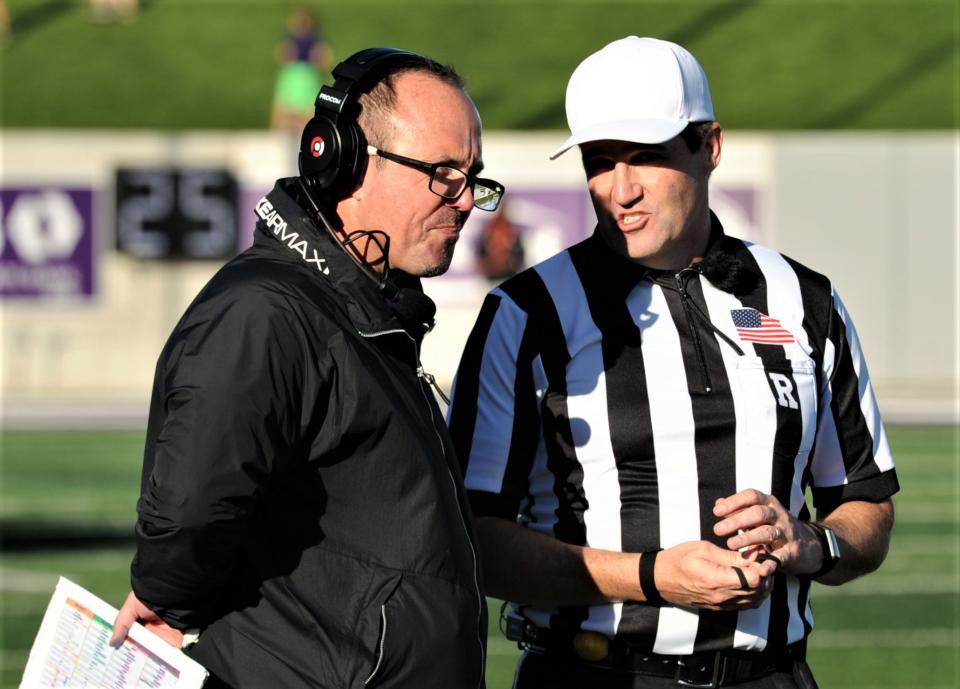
(72, 650)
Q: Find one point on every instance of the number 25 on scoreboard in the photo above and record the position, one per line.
(171, 213)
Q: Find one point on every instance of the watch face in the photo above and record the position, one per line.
(833, 547)
(829, 545)
(171, 213)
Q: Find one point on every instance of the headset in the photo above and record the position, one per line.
(333, 157)
(333, 150)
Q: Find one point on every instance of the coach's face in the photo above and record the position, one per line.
(651, 199)
(433, 122)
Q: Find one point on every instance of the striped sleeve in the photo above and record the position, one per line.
(493, 416)
(852, 459)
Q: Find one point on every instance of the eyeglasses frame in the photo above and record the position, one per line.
(431, 169)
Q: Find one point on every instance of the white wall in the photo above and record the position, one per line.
(878, 212)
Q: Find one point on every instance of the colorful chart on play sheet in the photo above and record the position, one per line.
(72, 650)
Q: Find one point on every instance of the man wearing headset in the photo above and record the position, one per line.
(640, 417)
(301, 508)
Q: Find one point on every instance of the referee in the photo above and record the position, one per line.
(639, 418)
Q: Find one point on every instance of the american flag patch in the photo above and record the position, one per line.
(753, 326)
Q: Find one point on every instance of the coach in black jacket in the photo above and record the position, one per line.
(300, 505)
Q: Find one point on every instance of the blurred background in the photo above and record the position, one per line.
(136, 136)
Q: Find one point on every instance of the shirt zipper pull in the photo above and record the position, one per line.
(688, 306)
(678, 278)
(432, 382)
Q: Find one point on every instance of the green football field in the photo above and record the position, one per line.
(208, 64)
(68, 504)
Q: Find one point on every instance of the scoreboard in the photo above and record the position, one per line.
(173, 213)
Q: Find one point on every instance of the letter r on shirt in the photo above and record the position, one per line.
(784, 389)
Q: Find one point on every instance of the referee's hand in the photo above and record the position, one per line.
(753, 519)
(698, 574)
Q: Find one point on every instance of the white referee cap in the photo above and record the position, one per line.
(635, 89)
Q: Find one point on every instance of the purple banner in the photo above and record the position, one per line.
(46, 242)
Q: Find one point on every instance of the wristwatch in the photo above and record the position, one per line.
(831, 548)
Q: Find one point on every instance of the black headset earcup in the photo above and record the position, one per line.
(320, 152)
(353, 158)
(333, 150)
(332, 157)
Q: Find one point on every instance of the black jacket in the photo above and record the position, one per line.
(300, 501)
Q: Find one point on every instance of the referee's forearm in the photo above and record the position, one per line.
(863, 530)
(525, 566)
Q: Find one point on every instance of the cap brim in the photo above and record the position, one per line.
(637, 131)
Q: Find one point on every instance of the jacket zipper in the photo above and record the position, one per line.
(690, 307)
(432, 381)
(383, 639)
(424, 377)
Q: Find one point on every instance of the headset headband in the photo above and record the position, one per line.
(333, 152)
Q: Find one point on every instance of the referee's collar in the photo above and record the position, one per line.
(622, 269)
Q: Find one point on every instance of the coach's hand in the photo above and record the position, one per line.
(751, 518)
(135, 611)
(699, 574)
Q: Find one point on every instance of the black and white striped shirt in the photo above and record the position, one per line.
(610, 405)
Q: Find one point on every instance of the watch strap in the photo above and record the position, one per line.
(831, 549)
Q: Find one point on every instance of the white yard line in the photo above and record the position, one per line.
(885, 638)
(893, 585)
(924, 545)
(27, 582)
(927, 513)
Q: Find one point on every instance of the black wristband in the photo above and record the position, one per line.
(647, 583)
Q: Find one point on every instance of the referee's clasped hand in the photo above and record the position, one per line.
(754, 521)
(698, 574)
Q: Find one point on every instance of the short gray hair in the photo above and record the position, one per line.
(379, 102)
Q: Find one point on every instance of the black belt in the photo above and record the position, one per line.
(708, 670)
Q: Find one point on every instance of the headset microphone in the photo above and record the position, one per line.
(380, 280)
(411, 305)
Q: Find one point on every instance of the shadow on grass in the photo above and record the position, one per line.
(923, 63)
(29, 536)
(36, 15)
(550, 114)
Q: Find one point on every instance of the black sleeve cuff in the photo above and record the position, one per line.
(486, 504)
(873, 489)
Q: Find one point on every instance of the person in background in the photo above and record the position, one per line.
(304, 56)
(499, 249)
(640, 417)
(114, 10)
(4, 21)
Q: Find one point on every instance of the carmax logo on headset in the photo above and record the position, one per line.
(275, 222)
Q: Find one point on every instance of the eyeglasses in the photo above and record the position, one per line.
(449, 182)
